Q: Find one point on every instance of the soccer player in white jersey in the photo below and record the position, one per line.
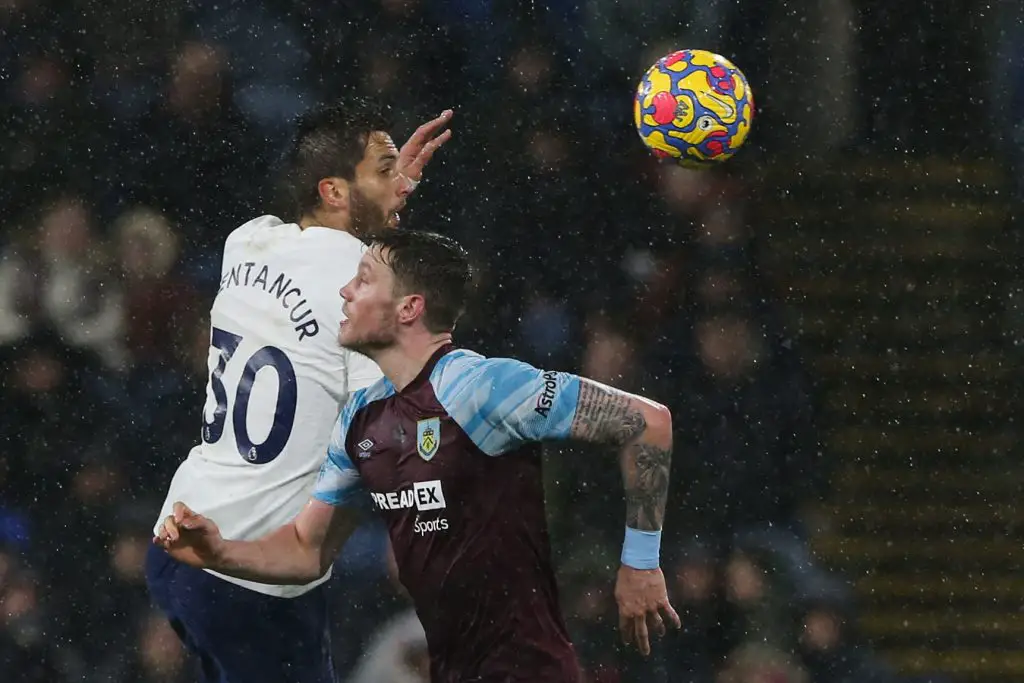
(278, 380)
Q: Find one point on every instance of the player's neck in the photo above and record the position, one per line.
(403, 362)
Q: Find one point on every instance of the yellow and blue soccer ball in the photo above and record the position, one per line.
(693, 106)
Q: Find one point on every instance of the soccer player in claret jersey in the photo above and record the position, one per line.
(446, 448)
(278, 380)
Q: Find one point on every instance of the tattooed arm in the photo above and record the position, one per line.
(503, 404)
(642, 430)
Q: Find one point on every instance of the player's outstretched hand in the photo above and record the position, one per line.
(642, 598)
(189, 537)
(421, 145)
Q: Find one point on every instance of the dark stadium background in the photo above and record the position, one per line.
(834, 316)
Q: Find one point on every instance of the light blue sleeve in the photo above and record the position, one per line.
(502, 403)
(339, 483)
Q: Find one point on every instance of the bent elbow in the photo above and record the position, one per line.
(660, 418)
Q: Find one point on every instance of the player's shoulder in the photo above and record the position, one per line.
(502, 403)
(378, 391)
(270, 232)
(260, 230)
(461, 369)
(357, 402)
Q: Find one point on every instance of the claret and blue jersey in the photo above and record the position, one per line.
(452, 462)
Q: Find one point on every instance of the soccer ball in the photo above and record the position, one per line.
(693, 106)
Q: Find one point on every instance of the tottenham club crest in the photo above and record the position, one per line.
(428, 437)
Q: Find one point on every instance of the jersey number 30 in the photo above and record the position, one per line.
(284, 411)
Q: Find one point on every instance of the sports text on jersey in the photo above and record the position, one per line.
(291, 298)
(547, 396)
(423, 528)
(424, 496)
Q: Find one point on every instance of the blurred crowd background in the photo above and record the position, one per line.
(135, 136)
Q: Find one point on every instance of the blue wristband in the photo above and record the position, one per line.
(641, 549)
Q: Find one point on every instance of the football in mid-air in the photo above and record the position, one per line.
(695, 107)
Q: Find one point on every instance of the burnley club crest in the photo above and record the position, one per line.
(428, 437)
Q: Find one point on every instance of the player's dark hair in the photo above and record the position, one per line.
(432, 265)
(329, 141)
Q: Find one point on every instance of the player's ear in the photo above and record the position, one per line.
(411, 308)
(333, 193)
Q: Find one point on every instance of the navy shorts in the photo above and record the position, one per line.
(239, 635)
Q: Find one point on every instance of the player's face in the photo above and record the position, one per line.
(370, 307)
(379, 191)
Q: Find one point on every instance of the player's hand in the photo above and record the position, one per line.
(642, 599)
(421, 145)
(190, 538)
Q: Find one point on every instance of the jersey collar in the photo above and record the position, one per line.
(428, 367)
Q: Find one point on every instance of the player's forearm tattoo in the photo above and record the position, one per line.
(646, 469)
(606, 416)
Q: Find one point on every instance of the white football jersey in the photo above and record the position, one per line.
(278, 380)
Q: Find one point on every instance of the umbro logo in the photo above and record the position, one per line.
(364, 448)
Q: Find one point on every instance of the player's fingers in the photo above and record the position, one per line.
(170, 529)
(673, 617)
(643, 642)
(433, 146)
(428, 150)
(431, 127)
(414, 170)
(196, 523)
(181, 511)
(426, 130)
(655, 624)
